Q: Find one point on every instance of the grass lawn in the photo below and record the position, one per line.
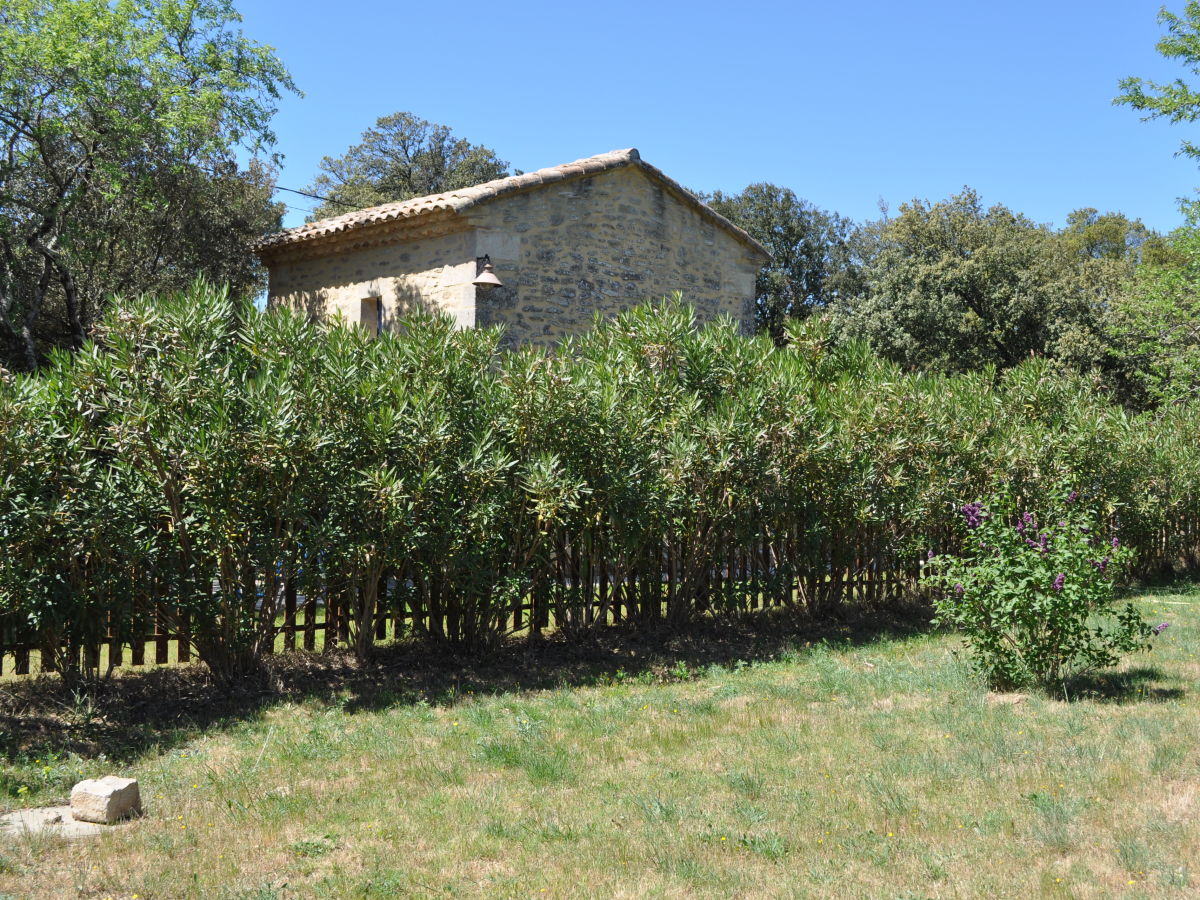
(875, 769)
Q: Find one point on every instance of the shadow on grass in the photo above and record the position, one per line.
(1140, 685)
(1169, 584)
(139, 710)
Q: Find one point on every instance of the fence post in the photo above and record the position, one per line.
(289, 612)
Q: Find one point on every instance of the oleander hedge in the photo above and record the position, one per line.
(203, 454)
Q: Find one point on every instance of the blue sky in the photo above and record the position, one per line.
(846, 103)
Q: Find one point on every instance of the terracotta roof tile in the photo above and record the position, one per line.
(460, 200)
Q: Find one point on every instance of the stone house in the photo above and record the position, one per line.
(594, 236)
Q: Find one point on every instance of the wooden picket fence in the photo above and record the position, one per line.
(582, 591)
(748, 578)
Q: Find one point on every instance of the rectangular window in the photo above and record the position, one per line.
(370, 314)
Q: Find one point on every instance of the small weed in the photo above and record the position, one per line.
(821, 876)
(995, 821)
(1178, 877)
(314, 848)
(686, 868)
(261, 892)
(38, 778)
(655, 810)
(706, 707)
(1055, 815)
(319, 743)
(500, 753)
(751, 814)
(542, 764)
(935, 867)
(527, 728)
(548, 765)
(435, 774)
(501, 830)
(892, 801)
(873, 847)
(726, 692)
(748, 783)
(544, 832)
(161, 843)
(768, 844)
(1168, 756)
(552, 831)
(1133, 855)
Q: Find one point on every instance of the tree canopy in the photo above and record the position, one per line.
(119, 121)
(1110, 235)
(1152, 335)
(1177, 101)
(810, 248)
(1154, 329)
(401, 157)
(954, 286)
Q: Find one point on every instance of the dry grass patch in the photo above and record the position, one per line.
(810, 775)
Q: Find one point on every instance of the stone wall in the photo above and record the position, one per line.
(600, 245)
(564, 251)
(431, 273)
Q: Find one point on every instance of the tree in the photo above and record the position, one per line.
(1177, 101)
(810, 248)
(115, 117)
(1096, 235)
(399, 158)
(1154, 331)
(202, 221)
(952, 286)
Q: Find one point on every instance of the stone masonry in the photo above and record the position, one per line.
(596, 236)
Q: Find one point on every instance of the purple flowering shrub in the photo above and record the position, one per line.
(1034, 593)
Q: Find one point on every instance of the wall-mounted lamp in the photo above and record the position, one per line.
(486, 279)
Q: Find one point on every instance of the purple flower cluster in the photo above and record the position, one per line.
(1101, 565)
(1161, 627)
(1029, 524)
(973, 513)
(1060, 580)
(1042, 543)
(1073, 496)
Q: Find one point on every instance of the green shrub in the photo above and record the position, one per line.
(1034, 592)
(201, 459)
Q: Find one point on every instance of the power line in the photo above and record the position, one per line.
(316, 197)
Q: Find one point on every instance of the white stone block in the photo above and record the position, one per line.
(105, 800)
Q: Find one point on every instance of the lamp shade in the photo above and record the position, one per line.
(487, 278)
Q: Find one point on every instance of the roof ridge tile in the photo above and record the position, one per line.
(462, 199)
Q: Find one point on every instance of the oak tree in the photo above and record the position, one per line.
(811, 262)
(401, 157)
(112, 111)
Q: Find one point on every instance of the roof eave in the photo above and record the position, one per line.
(386, 222)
